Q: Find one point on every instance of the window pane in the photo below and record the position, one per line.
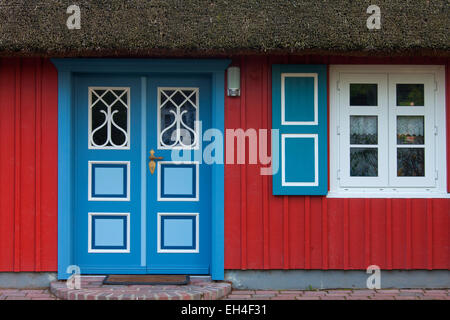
(363, 130)
(363, 162)
(410, 94)
(363, 94)
(178, 113)
(410, 130)
(109, 118)
(410, 162)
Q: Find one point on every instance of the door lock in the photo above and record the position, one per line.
(152, 163)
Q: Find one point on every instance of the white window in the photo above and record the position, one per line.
(387, 131)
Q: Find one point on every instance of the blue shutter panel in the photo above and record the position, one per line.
(299, 112)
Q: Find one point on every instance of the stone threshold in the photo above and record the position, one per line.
(92, 288)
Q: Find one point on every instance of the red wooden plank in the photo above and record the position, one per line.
(419, 247)
(335, 234)
(276, 202)
(296, 232)
(276, 231)
(27, 166)
(253, 120)
(408, 235)
(307, 228)
(346, 234)
(27, 160)
(265, 185)
(324, 233)
(356, 234)
(367, 233)
(398, 233)
(388, 233)
(232, 195)
(49, 168)
(7, 131)
(441, 248)
(243, 174)
(378, 235)
(17, 166)
(315, 233)
(429, 234)
(38, 169)
(285, 232)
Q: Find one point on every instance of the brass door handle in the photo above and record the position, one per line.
(152, 163)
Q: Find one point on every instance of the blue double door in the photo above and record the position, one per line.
(142, 192)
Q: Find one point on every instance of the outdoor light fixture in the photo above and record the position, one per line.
(234, 81)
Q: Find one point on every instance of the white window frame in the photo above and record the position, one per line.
(388, 185)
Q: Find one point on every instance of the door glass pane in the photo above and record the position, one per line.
(410, 162)
(410, 130)
(363, 94)
(363, 130)
(168, 123)
(410, 94)
(109, 118)
(178, 111)
(363, 162)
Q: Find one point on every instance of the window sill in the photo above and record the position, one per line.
(387, 194)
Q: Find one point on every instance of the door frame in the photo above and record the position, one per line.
(67, 67)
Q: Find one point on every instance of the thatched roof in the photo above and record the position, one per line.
(223, 27)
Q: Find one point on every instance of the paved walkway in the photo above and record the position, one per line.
(28, 294)
(389, 294)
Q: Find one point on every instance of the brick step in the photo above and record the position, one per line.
(200, 288)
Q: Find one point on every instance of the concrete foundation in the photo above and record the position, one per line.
(29, 280)
(334, 279)
(279, 279)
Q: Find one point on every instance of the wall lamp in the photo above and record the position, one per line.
(234, 81)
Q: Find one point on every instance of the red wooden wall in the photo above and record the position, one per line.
(307, 232)
(28, 165)
(261, 231)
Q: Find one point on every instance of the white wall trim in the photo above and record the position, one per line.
(386, 194)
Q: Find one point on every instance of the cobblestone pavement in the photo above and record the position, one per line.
(387, 294)
(26, 294)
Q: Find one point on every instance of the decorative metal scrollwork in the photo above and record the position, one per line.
(178, 113)
(109, 118)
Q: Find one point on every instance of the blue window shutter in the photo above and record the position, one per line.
(299, 112)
